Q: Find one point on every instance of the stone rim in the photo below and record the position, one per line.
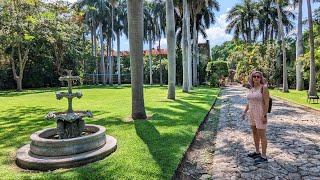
(64, 147)
(40, 141)
(26, 160)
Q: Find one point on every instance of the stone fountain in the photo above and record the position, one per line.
(72, 143)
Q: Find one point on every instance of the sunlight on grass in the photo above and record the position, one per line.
(146, 149)
(298, 97)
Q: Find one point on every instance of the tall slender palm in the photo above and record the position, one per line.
(189, 45)
(299, 49)
(185, 62)
(95, 12)
(171, 38)
(312, 83)
(121, 25)
(149, 30)
(284, 58)
(113, 3)
(160, 26)
(135, 25)
(202, 17)
(196, 9)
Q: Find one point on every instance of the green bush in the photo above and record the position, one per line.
(217, 71)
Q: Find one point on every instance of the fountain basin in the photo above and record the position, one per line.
(43, 146)
(49, 154)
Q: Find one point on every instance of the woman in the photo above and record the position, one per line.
(258, 102)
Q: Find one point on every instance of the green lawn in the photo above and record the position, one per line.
(146, 149)
(298, 97)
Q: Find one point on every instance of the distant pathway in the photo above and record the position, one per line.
(220, 149)
(293, 142)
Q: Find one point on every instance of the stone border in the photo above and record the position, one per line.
(63, 147)
(27, 160)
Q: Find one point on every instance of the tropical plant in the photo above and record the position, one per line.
(241, 20)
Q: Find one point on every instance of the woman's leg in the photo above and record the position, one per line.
(255, 138)
(263, 138)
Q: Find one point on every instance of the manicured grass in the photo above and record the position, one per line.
(298, 97)
(146, 149)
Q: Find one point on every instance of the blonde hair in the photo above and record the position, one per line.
(262, 80)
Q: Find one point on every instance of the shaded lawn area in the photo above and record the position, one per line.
(146, 149)
(298, 97)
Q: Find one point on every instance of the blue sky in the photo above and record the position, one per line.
(216, 33)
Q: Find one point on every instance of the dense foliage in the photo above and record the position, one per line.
(217, 71)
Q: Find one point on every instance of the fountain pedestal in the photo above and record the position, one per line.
(72, 143)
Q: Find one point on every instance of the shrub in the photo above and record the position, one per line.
(217, 71)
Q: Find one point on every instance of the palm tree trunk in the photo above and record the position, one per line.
(111, 45)
(171, 43)
(312, 83)
(95, 53)
(299, 50)
(195, 44)
(197, 60)
(110, 63)
(92, 53)
(160, 60)
(189, 48)
(118, 57)
(185, 84)
(284, 58)
(135, 25)
(102, 56)
(150, 58)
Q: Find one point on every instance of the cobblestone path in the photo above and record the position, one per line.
(293, 135)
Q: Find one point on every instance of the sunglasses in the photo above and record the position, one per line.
(256, 76)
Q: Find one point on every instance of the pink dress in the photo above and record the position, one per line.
(256, 108)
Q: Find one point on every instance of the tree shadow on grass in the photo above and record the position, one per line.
(166, 149)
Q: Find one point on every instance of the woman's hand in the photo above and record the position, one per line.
(264, 119)
(243, 115)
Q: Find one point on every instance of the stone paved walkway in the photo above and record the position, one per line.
(293, 141)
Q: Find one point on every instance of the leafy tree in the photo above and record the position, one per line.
(18, 32)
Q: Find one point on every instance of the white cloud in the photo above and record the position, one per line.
(163, 42)
(216, 34)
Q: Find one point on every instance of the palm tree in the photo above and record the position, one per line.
(121, 25)
(241, 20)
(171, 38)
(113, 3)
(160, 26)
(135, 25)
(284, 58)
(95, 13)
(149, 30)
(185, 61)
(202, 17)
(312, 83)
(299, 49)
(189, 45)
